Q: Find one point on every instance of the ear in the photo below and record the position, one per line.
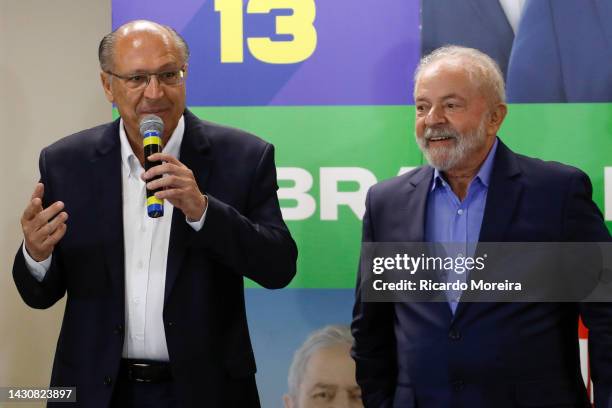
(496, 118)
(106, 85)
(288, 401)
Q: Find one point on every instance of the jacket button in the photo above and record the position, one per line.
(454, 334)
(170, 324)
(108, 380)
(118, 329)
(458, 385)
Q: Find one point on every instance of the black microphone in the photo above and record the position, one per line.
(151, 130)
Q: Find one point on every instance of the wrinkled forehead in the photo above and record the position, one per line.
(478, 79)
(455, 66)
(141, 26)
(145, 47)
(331, 365)
(141, 34)
(446, 77)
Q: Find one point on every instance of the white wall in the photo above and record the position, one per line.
(49, 88)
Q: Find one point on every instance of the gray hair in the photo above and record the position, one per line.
(106, 48)
(482, 70)
(326, 337)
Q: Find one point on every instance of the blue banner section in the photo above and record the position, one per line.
(280, 322)
(287, 52)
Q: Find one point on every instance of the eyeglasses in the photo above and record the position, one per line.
(142, 79)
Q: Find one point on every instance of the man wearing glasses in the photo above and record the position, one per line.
(155, 312)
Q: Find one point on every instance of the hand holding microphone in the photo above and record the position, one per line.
(178, 185)
(151, 130)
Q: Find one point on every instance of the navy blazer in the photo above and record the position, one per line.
(204, 310)
(561, 53)
(480, 24)
(486, 354)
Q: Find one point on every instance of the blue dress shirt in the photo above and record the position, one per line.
(455, 223)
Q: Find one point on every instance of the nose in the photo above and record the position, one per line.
(153, 90)
(435, 116)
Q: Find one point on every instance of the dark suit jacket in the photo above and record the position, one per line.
(561, 53)
(204, 312)
(480, 24)
(487, 354)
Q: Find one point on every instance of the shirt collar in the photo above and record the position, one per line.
(483, 175)
(130, 161)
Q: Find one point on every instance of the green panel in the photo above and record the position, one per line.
(575, 134)
(380, 139)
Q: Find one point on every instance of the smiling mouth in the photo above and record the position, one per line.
(439, 138)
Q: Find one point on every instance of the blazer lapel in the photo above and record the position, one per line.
(195, 154)
(493, 15)
(106, 168)
(603, 8)
(412, 222)
(503, 195)
(414, 200)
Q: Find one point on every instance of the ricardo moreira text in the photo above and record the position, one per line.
(459, 265)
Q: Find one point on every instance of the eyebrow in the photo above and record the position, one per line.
(444, 98)
(169, 65)
(453, 96)
(162, 68)
(334, 386)
(323, 385)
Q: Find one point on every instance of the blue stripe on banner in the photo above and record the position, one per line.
(297, 313)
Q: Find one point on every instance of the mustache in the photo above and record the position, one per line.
(152, 109)
(436, 132)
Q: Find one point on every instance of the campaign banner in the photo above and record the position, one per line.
(330, 84)
(291, 52)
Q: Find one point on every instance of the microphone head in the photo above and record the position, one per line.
(151, 123)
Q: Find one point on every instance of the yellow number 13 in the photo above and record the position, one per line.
(299, 25)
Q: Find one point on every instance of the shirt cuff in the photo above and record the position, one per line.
(37, 269)
(197, 225)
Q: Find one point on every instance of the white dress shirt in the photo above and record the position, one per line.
(146, 243)
(513, 10)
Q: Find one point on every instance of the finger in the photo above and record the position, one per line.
(32, 209)
(166, 168)
(165, 157)
(177, 194)
(170, 194)
(43, 217)
(169, 181)
(54, 238)
(35, 204)
(157, 170)
(56, 222)
(39, 236)
(39, 191)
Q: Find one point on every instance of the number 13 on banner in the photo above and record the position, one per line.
(299, 25)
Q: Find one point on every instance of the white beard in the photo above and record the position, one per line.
(446, 158)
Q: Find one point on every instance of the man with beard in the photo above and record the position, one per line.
(459, 354)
